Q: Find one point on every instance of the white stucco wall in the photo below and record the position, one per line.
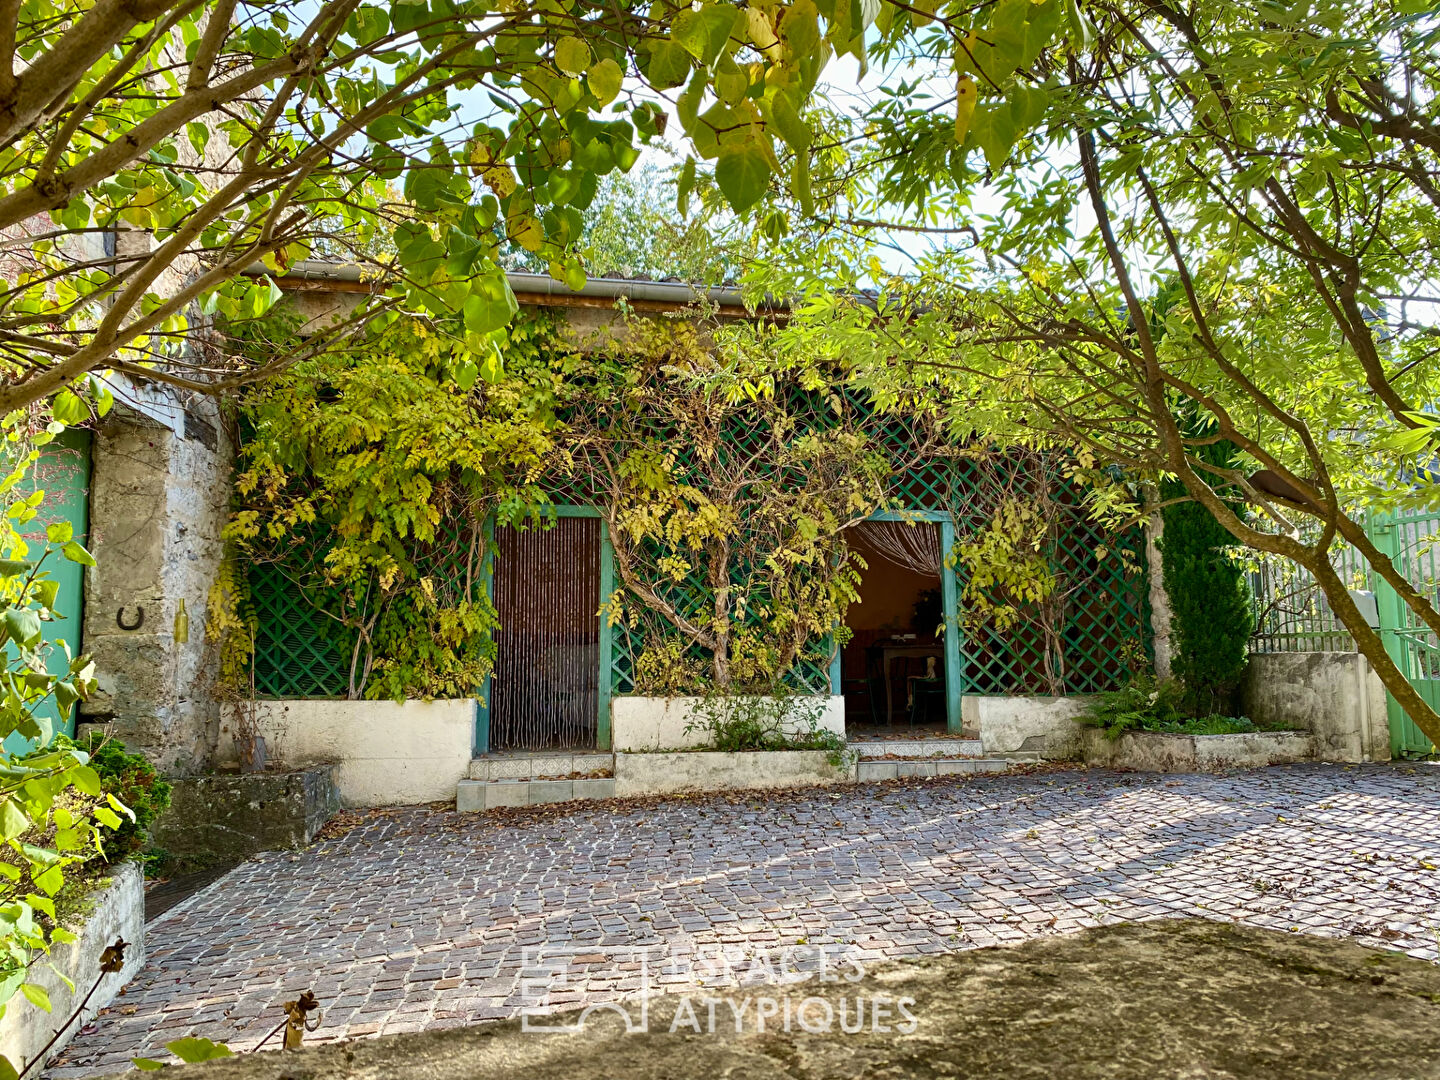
(385, 753)
(657, 723)
(118, 911)
(1334, 696)
(1043, 725)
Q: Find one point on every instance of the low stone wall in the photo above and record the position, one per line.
(1334, 696)
(385, 753)
(709, 770)
(1153, 751)
(117, 911)
(223, 818)
(658, 723)
(1040, 725)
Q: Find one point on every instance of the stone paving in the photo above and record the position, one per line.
(420, 919)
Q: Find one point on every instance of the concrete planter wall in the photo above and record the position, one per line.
(657, 723)
(385, 753)
(1153, 751)
(1044, 726)
(1334, 696)
(225, 817)
(708, 770)
(116, 911)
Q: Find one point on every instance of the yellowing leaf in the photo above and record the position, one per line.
(762, 34)
(37, 995)
(965, 96)
(605, 80)
(572, 56)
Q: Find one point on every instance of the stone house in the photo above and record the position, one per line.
(157, 493)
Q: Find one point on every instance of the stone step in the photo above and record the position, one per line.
(898, 770)
(541, 765)
(870, 749)
(473, 795)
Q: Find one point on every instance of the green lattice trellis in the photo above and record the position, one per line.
(301, 652)
(1102, 627)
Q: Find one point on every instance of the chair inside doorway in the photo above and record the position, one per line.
(545, 690)
(893, 668)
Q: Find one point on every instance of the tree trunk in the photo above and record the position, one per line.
(1369, 643)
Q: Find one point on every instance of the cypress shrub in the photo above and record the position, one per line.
(1212, 617)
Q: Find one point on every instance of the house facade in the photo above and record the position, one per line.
(569, 683)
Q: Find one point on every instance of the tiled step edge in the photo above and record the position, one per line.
(917, 748)
(896, 770)
(473, 795)
(539, 766)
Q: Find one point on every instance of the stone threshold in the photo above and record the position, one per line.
(485, 791)
(918, 748)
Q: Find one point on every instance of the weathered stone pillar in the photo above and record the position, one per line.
(1159, 599)
(158, 499)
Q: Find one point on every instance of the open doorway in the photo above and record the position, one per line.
(892, 670)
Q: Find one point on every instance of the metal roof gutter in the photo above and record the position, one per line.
(538, 290)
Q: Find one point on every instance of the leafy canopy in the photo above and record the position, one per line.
(1212, 209)
(162, 162)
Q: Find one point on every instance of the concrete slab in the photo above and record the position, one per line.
(547, 791)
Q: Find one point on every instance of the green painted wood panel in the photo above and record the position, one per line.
(63, 473)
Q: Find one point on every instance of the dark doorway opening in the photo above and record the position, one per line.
(893, 668)
(545, 690)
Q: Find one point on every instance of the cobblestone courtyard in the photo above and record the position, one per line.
(419, 919)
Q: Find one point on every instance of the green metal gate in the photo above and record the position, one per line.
(1411, 541)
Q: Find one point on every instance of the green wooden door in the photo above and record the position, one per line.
(1412, 541)
(63, 473)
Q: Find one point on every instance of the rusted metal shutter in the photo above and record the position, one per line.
(547, 666)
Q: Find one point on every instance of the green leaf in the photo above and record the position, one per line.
(13, 821)
(1079, 26)
(11, 568)
(605, 78)
(786, 119)
(687, 105)
(60, 531)
(7, 1070)
(65, 698)
(706, 32)
(46, 590)
(800, 28)
(49, 880)
(490, 305)
(684, 185)
(993, 129)
(465, 376)
(23, 625)
(1027, 106)
(86, 779)
(102, 395)
(37, 995)
(69, 409)
(669, 65)
(743, 177)
(192, 1050)
(800, 183)
(148, 1064)
(572, 56)
(108, 817)
(75, 553)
